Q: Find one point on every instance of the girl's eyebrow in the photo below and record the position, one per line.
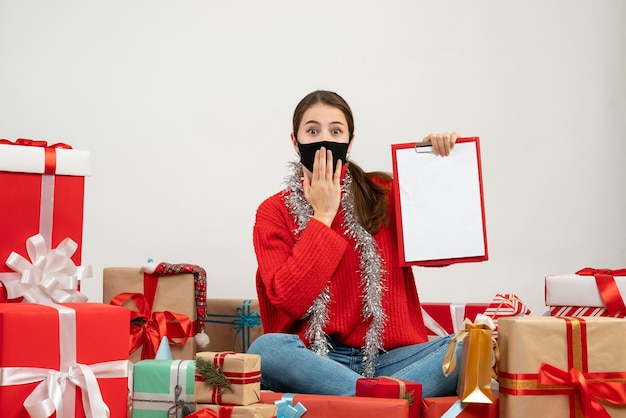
(337, 122)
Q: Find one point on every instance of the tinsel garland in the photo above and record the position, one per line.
(370, 266)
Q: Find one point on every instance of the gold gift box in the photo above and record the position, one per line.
(174, 293)
(593, 346)
(232, 324)
(256, 410)
(243, 372)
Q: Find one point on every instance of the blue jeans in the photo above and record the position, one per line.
(287, 365)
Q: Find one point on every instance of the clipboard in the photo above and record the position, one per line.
(439, 204)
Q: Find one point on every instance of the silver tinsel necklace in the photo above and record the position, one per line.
(370, 267)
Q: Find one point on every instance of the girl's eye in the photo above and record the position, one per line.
(312, 131)
(336, 131)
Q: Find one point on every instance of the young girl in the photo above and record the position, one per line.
(336, 304)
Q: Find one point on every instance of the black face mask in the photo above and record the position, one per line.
(307, 152)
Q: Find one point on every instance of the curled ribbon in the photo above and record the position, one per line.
(589, 386)
(609, 292)
(450, 358)
(49, 277)
(148, 328)
(286, 409)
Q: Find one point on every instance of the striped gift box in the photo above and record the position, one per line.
(505, 305)
(583, 311)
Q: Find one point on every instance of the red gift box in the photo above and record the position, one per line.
(443, 319)
(72, 350)
(387, 387)
(42, 188)
(323, 406)
(437, 407)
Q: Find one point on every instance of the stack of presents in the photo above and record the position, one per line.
(157, 347)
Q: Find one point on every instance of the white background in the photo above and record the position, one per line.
(186, 108)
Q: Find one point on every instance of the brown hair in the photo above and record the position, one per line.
(370, 196)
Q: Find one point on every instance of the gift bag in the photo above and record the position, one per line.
(477, 357)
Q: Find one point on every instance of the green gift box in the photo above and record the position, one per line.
(163, 388)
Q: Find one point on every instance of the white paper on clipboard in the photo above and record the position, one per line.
(440, 207)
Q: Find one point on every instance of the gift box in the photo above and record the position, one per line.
(64, 357)
(227, 378)
(583, 311)
(163, 388)
(452, 405)
(388, 387)
(588, 288)
(42, 193)
(562, 367)
(232, 324)
(442, 319)
(323, 406)
(164, 305)
(255, 410)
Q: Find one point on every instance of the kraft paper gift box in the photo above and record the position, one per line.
(174, 295)
(588, 292)
(232, 324)
(42, 193)
(77, 349)
(163, 388)
(442, 319)
(452, 405)
(388, 387)
(255, 410)
(323, 406)
(562, 367)
(227, 378)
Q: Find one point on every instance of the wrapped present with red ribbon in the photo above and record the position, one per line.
(587, 288)
(255, 410)
(389, 387)
(442, 319)
(562, 367)
(227, 378)
(53, 359)
(323, 406)
(42, 193)
(452, 407)
(168, 300)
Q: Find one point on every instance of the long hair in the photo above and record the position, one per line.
(369, 194)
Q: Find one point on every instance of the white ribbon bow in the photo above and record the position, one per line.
(49, 277)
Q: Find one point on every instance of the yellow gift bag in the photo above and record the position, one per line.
(477, 360)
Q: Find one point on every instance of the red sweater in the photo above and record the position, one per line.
(291, 274)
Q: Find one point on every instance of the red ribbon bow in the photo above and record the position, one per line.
(154, 325)
(609, 292)
(590, 388)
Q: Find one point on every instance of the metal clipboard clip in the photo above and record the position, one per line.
(423, 147)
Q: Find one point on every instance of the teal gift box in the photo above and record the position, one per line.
(163, 388)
